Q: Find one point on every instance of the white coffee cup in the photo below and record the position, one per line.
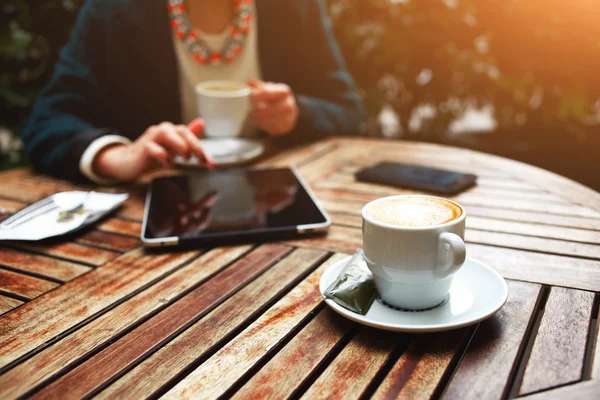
(224, 106)
(413, 266)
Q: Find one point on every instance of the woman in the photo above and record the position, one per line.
(121, 100)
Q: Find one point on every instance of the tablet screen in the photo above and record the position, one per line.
(231, 201)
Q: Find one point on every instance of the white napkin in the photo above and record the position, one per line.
(49, 224)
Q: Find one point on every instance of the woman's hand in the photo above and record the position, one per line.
(274, 107)
(156, 148)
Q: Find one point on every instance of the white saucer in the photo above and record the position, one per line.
(227, 151)
(477, 292)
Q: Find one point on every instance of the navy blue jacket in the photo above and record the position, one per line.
(118, 75)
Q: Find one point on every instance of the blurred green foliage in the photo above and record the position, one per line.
(534, 61)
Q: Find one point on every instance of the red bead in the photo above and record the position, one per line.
(246, 29)
(237, 50)
(237, 4)
(230, 59)
(248, 18)
(180, 34)
(198, 57)
(215, 57)
(174, 24)
(193, 34)
(171, 7)
(234, 32)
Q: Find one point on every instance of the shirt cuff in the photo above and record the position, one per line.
(90, 153)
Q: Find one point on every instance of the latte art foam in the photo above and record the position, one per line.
(414, 211)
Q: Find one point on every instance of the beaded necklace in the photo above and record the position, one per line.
(234, 44)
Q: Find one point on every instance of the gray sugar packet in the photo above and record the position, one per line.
(354, 288)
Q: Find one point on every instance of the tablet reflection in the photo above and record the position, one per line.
(220, 202)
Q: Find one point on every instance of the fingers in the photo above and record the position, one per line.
(269, 92)
(282, 109)
(166, 141)
(169, 138)
(158, 153)
(197, 126)
(195, 146)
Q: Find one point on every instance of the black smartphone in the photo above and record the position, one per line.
(417, 177)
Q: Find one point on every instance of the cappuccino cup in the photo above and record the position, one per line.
(224, 106)
(413, 245)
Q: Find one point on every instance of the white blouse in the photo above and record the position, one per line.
(246, 66)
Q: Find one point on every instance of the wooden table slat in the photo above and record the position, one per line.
(543, 245)
(539, 267)
(41, 265)
(108, 241)
(354, 219)
(354, 207)
(558, 351)
(69, 251)
(115, 225)
(305, 352)
(351, 372)
(214, 377)
(420, 368)
(89, 375)
(42, 319)
(179, 354)
(484, 371)
(24, 285)
(25, 376)
(8, 303)
(470, 199)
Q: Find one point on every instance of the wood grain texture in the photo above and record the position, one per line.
(11, 206)
(344, 205)
(551, 246)
(120, 226)
(537, 230)
(417, 373)
(41, 320)
(299, 156)
(351, 372)
(559, 348)
(24, 285)
(492, 354)
(133, 208)
(552, 182)
(583, 390)
(109, 241)
(339, 239)
(69, 251)
(348, 193)
(539, 267)
(213, 377)
(41, 265)
(305, 352)
(25, 376)
(535, 217)
(155, 332)
(191, 345)
(354, 219)
(8, 303)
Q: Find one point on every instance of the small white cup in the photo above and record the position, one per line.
(224, 110)
(413, 267)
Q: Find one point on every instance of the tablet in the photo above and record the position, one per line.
(230, 206)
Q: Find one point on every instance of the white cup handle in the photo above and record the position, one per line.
(458, 251)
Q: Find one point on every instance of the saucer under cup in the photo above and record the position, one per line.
(476, 293)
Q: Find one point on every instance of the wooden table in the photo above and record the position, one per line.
(97, 316)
